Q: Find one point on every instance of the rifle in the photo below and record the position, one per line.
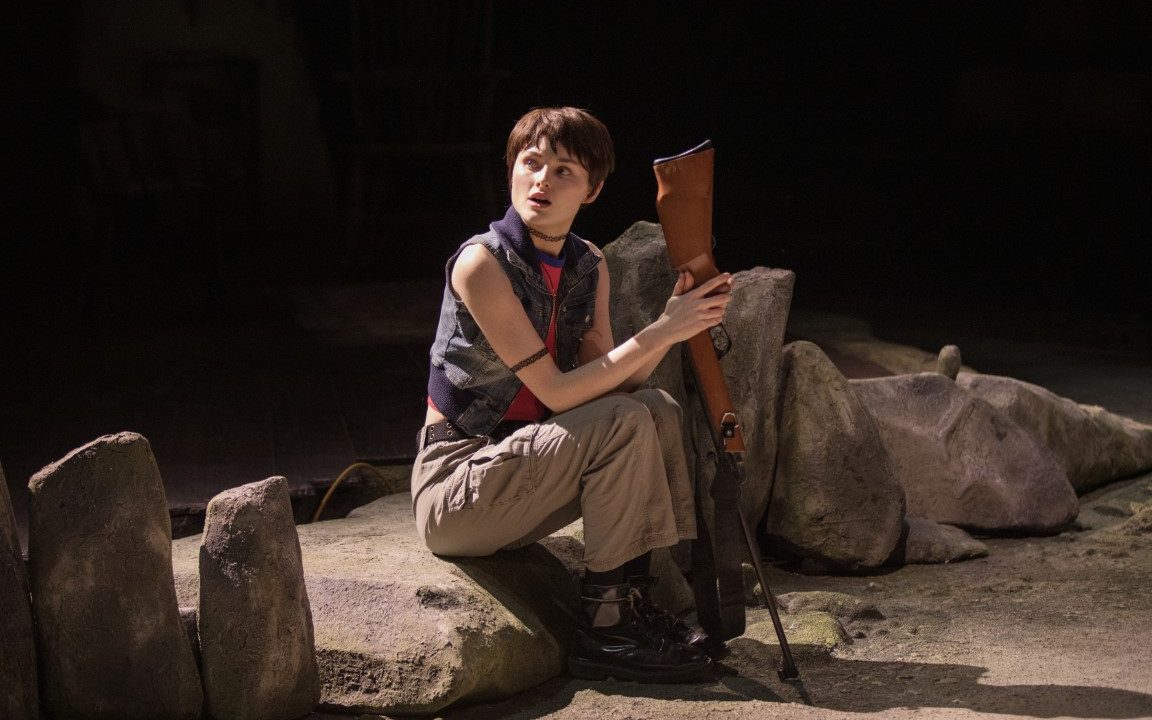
(684, 204)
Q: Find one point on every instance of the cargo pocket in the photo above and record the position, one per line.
(501, 473)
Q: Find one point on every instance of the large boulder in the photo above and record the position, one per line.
(399, 630)
(642, 281)
(1092, 444)
(254, 622)
(108, 629)
(963, 462)
(835, 498)
(18, 699)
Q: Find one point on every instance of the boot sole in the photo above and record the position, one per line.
(588, 670)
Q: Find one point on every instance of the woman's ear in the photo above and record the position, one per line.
(593, 193)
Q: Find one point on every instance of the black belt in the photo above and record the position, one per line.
(448, 430)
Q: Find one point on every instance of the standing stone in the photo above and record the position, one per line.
(255, 624)
(642, 281)
(963, 462)
(400, 631)
(18, 699)
(835, 497)
(948, 362)
(108, 629)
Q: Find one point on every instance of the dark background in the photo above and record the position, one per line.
(224, 220)
(991, 160)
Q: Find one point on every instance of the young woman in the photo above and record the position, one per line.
(534, 418)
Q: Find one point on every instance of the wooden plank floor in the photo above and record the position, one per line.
(229, 403)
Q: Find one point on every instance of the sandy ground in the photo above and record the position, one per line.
(1041, 628)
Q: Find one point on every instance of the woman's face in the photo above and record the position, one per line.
(548, 188)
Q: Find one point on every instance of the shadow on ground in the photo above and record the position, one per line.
(832, 684)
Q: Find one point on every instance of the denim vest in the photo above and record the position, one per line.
(467, 381)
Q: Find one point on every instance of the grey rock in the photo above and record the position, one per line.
(839, 605)
(399, 630)
(188, 616)
(811, 635)
(850, 342)
(1094, 445)
(672, 592)
(642, 281)
(1139, 524)
(18, 699)
(948, 362)
(254, 621)
(835, 498)
(930, 542)
(109, 635)
(962, 462)
(753, 591)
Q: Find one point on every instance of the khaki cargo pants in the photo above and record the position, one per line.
(617, 461)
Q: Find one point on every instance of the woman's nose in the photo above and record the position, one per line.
(542, 176)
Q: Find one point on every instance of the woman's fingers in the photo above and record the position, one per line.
(684, 282)
(714, 283)
(695, 309)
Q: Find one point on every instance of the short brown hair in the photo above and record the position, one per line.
(583, 135)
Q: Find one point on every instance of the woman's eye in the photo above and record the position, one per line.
(530, 163)
(563, 171)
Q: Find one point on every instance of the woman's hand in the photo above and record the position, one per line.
(692, 310)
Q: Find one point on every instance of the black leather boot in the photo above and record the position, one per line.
(613, 640)
(663, 621)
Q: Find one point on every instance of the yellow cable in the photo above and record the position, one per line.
(347, 471)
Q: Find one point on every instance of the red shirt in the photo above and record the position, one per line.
(525, 406)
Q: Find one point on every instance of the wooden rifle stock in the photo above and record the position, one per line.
(684, 204)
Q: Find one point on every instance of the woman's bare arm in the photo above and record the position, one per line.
(481, 283)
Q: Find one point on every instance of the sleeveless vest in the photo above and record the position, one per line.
(467, 381)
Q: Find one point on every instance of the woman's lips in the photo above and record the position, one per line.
(539, 202)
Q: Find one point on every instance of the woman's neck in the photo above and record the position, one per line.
(546, 242)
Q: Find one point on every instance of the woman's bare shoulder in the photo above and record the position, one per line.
(474, 256)
(476, 269)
